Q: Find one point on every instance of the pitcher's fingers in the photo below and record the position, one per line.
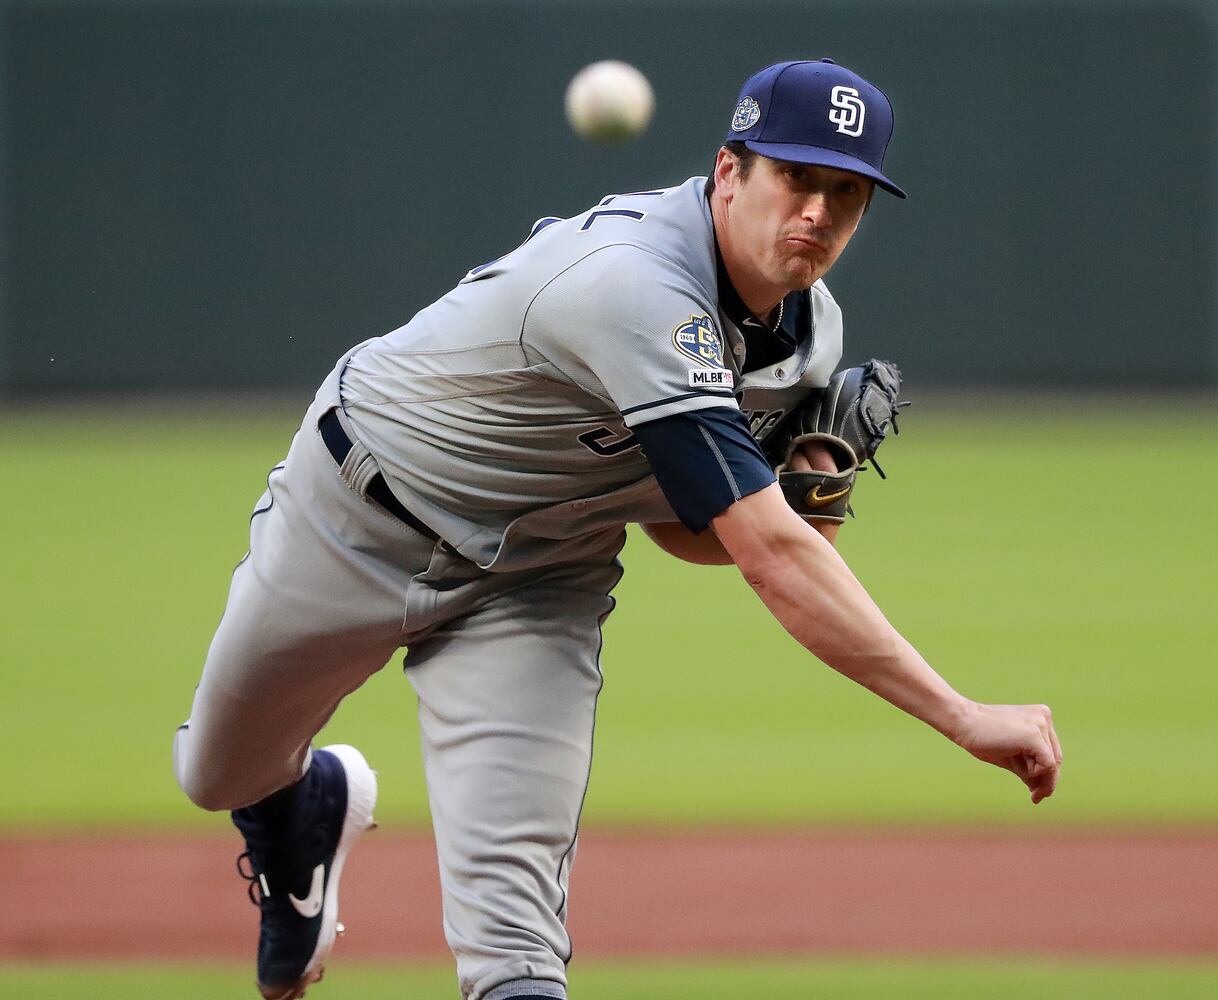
(1045, 786)
(1055, 742)
(1025, 768)
(1043, 752)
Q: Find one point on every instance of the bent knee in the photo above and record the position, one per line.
(210, 791)
(218, 778)
(213, 795)
(207, 785)
(207, 797)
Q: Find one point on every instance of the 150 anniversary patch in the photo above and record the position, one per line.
(698, 340)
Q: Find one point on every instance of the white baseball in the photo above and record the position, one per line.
(609, 101)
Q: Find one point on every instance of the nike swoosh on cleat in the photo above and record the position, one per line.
(310, 906)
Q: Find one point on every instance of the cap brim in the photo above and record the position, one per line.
(818, 156)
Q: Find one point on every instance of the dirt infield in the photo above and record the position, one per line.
(669, 894)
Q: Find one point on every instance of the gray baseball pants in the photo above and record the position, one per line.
(506, 670)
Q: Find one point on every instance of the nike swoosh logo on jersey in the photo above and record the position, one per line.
(815, 499)
(310, 906)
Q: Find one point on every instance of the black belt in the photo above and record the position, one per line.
(338, 444)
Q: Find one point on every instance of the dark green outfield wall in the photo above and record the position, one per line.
(229, 194)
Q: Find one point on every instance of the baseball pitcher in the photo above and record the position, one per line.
(460, 488)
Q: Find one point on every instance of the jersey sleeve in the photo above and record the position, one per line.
(704, 461)
(631, 327)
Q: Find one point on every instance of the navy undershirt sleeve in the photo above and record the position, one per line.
(704, 461)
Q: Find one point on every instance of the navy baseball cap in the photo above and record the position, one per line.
(818, 113)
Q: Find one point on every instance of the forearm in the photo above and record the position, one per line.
(813, 594)
(811, 591)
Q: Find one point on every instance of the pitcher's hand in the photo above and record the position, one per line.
(1019, 738)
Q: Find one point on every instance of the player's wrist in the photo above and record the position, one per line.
(956, 717)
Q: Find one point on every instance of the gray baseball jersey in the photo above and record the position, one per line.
(501, 414)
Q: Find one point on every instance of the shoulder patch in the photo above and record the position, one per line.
(698, 339)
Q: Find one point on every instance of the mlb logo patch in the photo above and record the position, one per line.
(702, 378)
(699, 341)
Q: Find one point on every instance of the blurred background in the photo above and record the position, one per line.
(203, 204)
(225, 194)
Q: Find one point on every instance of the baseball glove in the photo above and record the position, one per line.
(850, 417)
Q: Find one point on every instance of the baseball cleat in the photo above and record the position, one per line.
(294, 882)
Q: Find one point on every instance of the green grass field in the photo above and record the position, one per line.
(875, 979)
(1035, 551)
